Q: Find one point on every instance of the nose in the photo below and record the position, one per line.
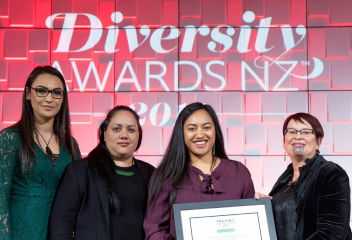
(123, 134)
(298, 135)
(199, 133)
(49, 97)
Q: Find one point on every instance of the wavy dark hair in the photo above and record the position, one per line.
(101, 159)
(61, 127)
(174, 164)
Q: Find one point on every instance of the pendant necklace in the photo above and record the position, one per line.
(47, 148)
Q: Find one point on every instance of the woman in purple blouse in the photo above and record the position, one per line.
(195, 168)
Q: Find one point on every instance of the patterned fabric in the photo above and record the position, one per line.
(25, 199)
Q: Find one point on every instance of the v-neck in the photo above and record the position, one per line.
(40, 150)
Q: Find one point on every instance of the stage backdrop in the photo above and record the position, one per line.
(254, 61)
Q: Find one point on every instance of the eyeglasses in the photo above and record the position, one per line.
(304, 131)
(57, 93)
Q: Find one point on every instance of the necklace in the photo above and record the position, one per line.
(292, 183)
(47, 148)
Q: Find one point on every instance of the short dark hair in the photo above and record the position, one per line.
(313, 121)
(174, 164)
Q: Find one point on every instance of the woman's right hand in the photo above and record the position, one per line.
(258, 195)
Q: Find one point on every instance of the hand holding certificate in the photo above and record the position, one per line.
(245, 219)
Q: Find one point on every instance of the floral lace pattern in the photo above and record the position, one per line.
(25, 199)
(8, 153)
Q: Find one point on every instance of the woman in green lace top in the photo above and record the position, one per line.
(33, 155)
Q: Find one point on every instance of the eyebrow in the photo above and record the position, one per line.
(192, 124)
(41, 86)
(119, 124)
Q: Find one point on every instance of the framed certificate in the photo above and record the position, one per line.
(244, 219)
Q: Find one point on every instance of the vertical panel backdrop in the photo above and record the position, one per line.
(254, 61)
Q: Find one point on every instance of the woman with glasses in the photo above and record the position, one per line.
(311, 199)
(33, 155)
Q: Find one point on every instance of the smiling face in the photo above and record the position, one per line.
(45, 108)
(300, 146)
(199, 134)
(121, 136)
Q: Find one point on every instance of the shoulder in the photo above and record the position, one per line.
(146, 169)
(235, 170)
(10, 140)
(328, 170)
(144, 165)
(234, 165)
(79, 166)
(10, 133)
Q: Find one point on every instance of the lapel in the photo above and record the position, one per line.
(102, 191)
(306, 183)
(283, 179)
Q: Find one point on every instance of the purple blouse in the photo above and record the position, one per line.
(230, 179)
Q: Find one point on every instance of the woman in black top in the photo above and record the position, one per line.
(311, 199)
(104, 196)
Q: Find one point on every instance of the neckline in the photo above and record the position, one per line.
(47, 148)
(58, 162)
(198, 171)
(124, 168)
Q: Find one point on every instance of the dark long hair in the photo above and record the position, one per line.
(174, 164)
(101, 159)
(61, 127)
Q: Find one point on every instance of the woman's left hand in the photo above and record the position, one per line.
(259, 195)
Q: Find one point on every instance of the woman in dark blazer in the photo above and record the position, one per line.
(311, 199)
(104, 196)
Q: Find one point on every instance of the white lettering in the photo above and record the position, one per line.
(221, 38)
(133, 79)
(176, 69)
(215, 75)
(165, 115)
(157, 37)
(264, 85)
(68, 28)
(158, 77)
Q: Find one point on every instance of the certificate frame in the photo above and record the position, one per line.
(220, 219)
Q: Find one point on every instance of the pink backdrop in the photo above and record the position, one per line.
(254, 61)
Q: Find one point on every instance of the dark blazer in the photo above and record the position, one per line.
(81, 203)
(323, 200)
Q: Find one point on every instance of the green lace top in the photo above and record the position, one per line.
(25, 199)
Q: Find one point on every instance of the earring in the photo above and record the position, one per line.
(213, 150)
(284, 156)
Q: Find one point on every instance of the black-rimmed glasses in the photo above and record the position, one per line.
(304, 131)
(57, 93)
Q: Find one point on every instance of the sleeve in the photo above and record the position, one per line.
(157, 218)
(65, 206)
(8, 155)
(248, 186)
(333, 207)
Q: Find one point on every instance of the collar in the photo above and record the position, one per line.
(211, 183)
(309, 162)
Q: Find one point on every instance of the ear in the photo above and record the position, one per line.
(283, 145)
(319, 140)
(28, 93)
